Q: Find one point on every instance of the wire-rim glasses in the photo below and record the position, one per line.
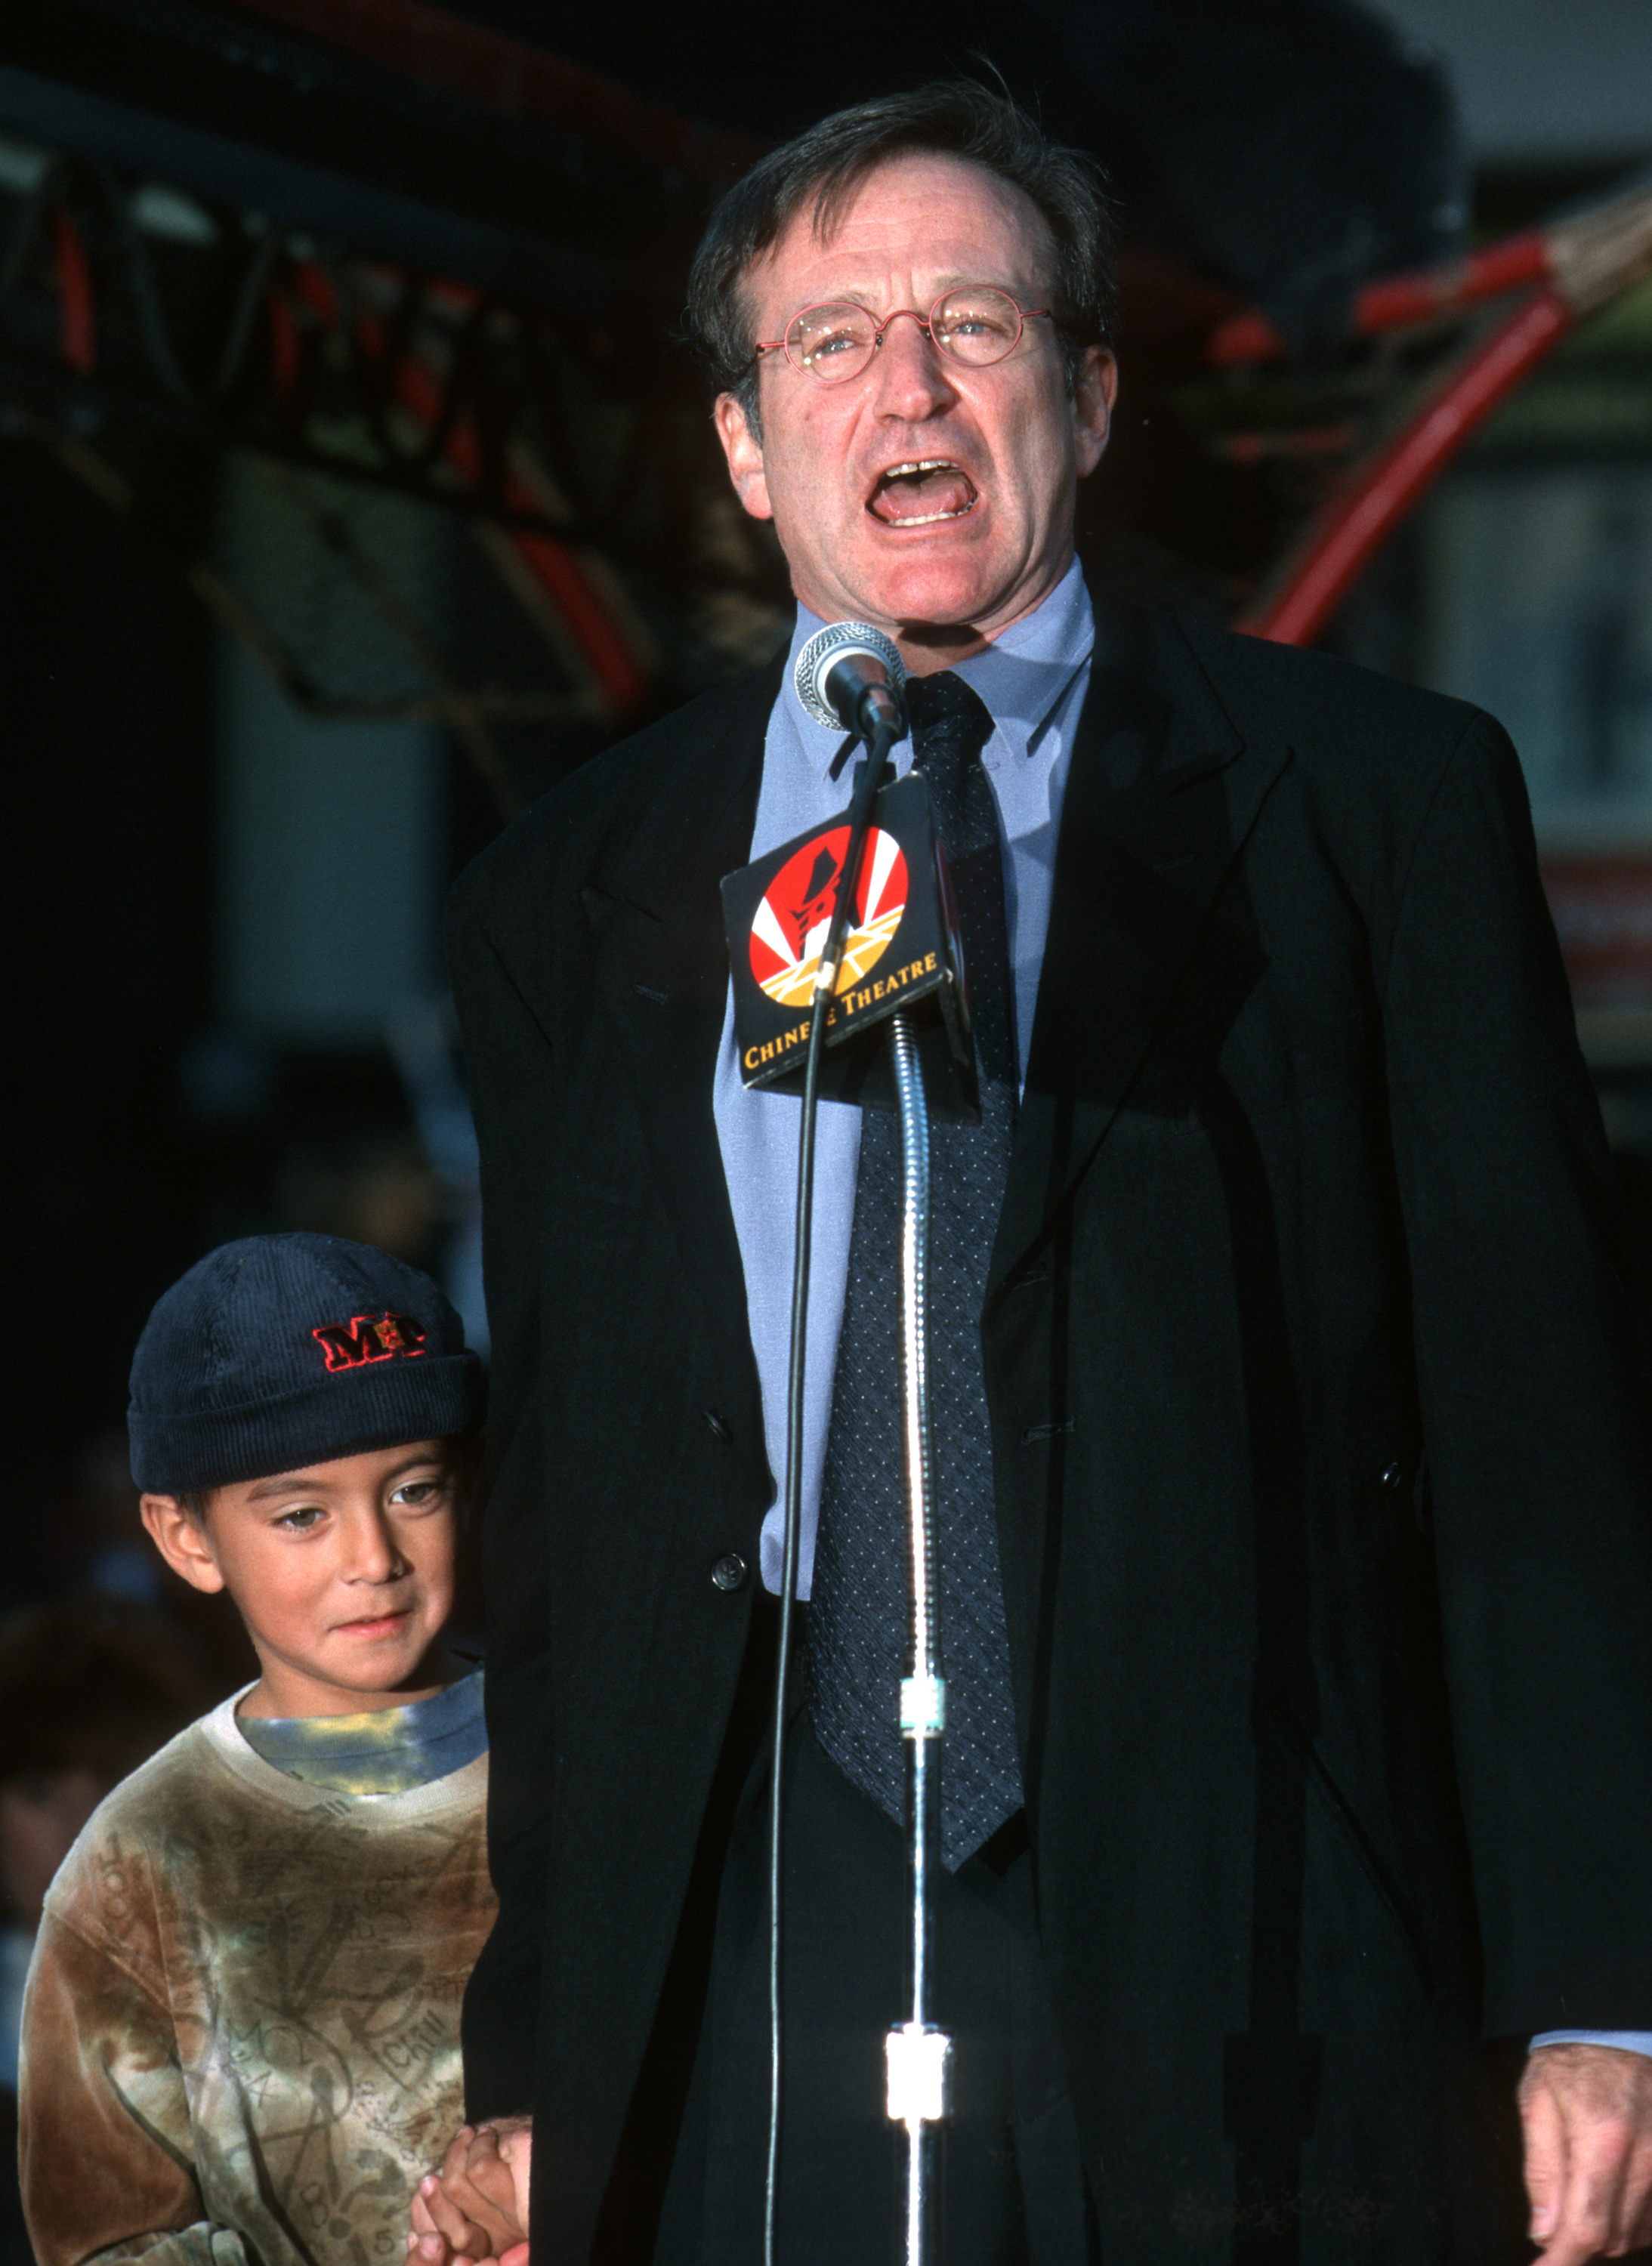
(974, 324)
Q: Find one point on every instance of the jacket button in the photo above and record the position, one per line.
(717, 1423)
(729, 1571)
(1394, 1479)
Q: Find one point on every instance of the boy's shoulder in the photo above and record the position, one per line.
(174, 1771)
(190, 1774)
(205, 1816)
(103, 1891)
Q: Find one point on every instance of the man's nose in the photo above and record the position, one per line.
(912, 376)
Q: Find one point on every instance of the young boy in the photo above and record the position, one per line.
(241, 2036)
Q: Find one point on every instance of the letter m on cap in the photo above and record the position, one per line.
(370, 1337)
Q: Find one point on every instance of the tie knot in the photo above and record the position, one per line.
(943, 705)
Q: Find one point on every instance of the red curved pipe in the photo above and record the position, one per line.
(1364, 511)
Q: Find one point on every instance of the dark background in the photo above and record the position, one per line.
(179, 832)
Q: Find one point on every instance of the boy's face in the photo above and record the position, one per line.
(342, 1571)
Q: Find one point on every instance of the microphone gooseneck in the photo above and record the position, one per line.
(851, 675)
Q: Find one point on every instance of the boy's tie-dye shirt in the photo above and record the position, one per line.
(241, 2033)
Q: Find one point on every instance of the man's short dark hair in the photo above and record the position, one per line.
(952, 117)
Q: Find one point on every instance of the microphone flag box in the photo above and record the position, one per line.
(901, 953)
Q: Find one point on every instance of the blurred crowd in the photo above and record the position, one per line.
(91, 1685)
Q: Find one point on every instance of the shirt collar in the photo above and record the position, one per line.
(1022, 676)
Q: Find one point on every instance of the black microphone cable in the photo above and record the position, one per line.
(868, 779)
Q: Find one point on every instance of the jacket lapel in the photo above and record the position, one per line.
(1160, 796)
(653, 905)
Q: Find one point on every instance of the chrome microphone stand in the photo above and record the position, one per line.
(918, 2053)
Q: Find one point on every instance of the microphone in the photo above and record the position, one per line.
(893, 945)
(852, 674)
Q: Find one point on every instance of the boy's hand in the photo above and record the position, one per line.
(476, 2206)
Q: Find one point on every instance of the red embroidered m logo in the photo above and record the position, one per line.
(370, 1337)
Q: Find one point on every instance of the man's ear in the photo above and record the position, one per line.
(744, 455)
(182, 1541)
(1094, 390)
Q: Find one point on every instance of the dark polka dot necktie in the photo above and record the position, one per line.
(859, 1606)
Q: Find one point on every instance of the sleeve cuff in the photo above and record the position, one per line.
(1625, 2041)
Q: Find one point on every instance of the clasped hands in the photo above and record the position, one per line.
(1586, 2110)
(475, 2205)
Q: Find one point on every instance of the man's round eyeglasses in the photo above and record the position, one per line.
(973, 324)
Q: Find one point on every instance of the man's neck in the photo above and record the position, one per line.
(928, 647)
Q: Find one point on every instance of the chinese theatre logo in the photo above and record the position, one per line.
(790, 925)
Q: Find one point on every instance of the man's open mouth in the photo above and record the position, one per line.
(916, 495)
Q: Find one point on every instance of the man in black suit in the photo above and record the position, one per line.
(1300, 1567)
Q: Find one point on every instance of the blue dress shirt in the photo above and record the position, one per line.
(1034, 681)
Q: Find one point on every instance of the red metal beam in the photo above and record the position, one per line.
(1395, 303)
(574, 591)
(453, 56)
(76, 305)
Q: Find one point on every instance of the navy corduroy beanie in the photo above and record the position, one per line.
(281, 1350)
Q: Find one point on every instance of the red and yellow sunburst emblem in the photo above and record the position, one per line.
(790, 925)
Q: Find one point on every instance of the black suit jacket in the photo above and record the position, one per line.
(1320, 1454)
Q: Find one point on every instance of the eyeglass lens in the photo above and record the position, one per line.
(977, 325)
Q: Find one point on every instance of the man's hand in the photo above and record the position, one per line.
(476, 2206)
(515, 2149)
(1587, 2111)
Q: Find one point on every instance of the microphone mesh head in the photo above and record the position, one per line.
(829, 645)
